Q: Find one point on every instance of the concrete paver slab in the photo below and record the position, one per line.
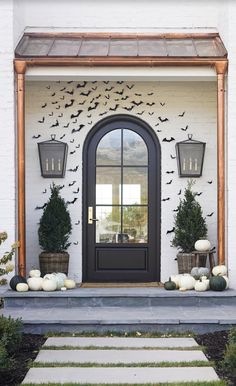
(118, 356)
(131, 375)
(121, 342)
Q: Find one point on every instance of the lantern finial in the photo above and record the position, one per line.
(53, 137)
(190, 136)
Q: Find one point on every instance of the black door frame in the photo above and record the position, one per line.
(100, 124)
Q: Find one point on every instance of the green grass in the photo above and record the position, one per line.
(197, 348)
(215, 383)
(148, 364)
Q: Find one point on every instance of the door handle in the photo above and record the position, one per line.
(90, 215)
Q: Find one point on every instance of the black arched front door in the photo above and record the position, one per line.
(121, 217)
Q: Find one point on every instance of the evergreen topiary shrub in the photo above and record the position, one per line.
(55, 224)
(190, 225)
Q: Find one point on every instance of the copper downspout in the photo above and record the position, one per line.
(20, 68)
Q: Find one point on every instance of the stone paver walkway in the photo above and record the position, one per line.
(122, 351)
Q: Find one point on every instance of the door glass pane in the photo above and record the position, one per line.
(108, 226)
(135, 224)
(135, 185)
(109, 149)
(108, 182)
(134, 149)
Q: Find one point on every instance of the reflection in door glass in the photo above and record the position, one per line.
(135, 224)
(109, 149)
(108, 226)
(134, 149)
(135, 185)
(108, 181)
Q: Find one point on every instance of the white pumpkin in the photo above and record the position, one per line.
(176, 279)
(34, 273)
(207, 281)
(227, 281)
(182, 289)
(202, 245)
(219, 270)
(69, 283)
(35, 283)
(49, 284)
(22, 287)
(187, 281)
(200, 286)
(60, 278)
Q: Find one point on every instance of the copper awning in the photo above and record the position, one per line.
(102, 45)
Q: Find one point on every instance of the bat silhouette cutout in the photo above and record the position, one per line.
(163, 119)
(92, 100)
(137, 103)
(53, 94)
(210, 214)
(181, 115)
(81, 103)
(169, 182)
(54, 103)
(151, 104)
(108, 97)
(120, 92)
(48, 87)
(62, 136)
(94, 82)
(94, 88)
(44, 105)
(166, 199)
(77, 146)
(109, 89)
(72, 141)
(77, 223)
(209, 182)
(69, 104)
(69, 81)
(180, 191)
(72, 183)
(67, 125)
(55, 124)
(89, 116)
(137, 94)
(72, 152)
(75, 169)
(114, 108)
(124, 98)
(73, 201)
(129, 108)
(151, 113)
(76, 130)
(76, 114)
(97, 97)
(184, 129)
(150, 93)
(60, 115)
(83, 84)
(41, 207)
(87, 93)
(75, 121)
(51, 114)
(93, 107)
(170, 171)
(101, 114)
(157, 124)
(70, 92)
(120, 82)
(106, 81)
(36, 136)
(90, 123)
(58, 107)
(45, 191)
(162, 104)
(75, 242)
(130, 87)
(60, 187)
(76, 191)
(141, 113)
(199, 194)
(172, 156)
(159, 131)
(41, 120)
(175, 210)
(63, 89)
(62, 98)
(168, 140)
(170, 231)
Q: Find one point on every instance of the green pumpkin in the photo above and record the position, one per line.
(170, 285)
(217, 283)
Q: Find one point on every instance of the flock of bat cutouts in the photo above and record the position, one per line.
(75, 95)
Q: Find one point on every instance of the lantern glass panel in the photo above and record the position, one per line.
(190, 159)
(52, 159)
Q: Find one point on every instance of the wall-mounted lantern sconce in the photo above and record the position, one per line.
(190, 156)
(52, 157)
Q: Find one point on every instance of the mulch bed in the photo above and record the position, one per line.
(214, 343)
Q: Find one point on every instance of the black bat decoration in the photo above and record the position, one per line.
(89, 116)
(124, 98)
(76, 191)
(45, 191)
(150, 104)
(116, 100)
(72, 141)
(75, 121)
(166, 199)
(106, 81)
(181, 115)
(163, 119)
(58, 107)
(53, 94)
(93, 107)
(62, 136)
(162, 104)
(109, 89)
(81, 103)
(175, 210)
(72, 152)
(199, 194)
(48, 87)
(170, 231)
(69, 81)
(157, 124)
(151, 113)
(42, 120)
(73, 201)
(36, 136)
(75, 169)
(66, 125)
(130, 87)
(70, 92)
(168, 140)
(137, 103)
(69, 104)
(81, 84)
(60, 115)
(43, 106)
(209, 182)
(180, 191)
(101, 114)
(170, 171)
(55, 124)
(120, 82)
(141, 113)
(108, 97)
(138, 94)
(76, 114)
(54, 103)
(75, 242)
(114, 108)
(184, 129)
(169, 182)
(97, 97)
(63, 89)
(51, 114)
(172, 156)
(77, 223)
(76, 130)
(90, 123)
(77, 146)
(129, 108)
(120, 92)
(150, 93)
(94, 88)
(92, 100)
(62, 98)
(211, 214)
(159, 131)
(72, 183)
(41, 207)
(86, 93)
(60, 187)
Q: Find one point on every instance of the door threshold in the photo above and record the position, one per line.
(121, 285)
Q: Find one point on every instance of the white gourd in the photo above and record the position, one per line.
(176, 279)
(187, 281)
(35, 283)
(69, 284)
(227, 281)
(200, 286)
(202, 245)
(49, 283)
(207, 281)
(34, 273)
(182, 289)
(60, 278)
(219, 270)
(22, 287)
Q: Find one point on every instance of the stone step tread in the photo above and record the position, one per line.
(120, 342)
(96, 375)
(118, 356)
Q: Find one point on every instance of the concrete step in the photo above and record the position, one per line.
(117, 297)
(96, 375)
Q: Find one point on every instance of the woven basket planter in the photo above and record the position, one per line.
(186, 261)
(53, 262)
